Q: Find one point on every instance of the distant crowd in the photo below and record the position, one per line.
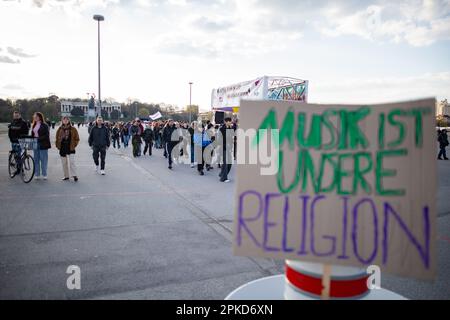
(201, 144)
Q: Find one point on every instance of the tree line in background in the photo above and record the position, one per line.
(51, 108)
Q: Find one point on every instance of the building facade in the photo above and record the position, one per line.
(443, 108)
(67, 106)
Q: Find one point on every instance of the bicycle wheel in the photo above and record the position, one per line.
(12, 165)
(27, 168)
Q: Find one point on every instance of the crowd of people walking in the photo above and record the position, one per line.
(201, 144)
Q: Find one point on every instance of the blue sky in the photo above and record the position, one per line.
(350, 51)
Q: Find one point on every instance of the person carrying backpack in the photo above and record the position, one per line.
(148, 140)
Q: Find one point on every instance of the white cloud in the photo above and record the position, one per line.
(73, 8)
(418, 23)
(13, 86)
(148, 44)
(187, 48)
(6, 59)
(19, 52)
(212, 25)
(381, 89)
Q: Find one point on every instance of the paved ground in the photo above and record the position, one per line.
(142, 232)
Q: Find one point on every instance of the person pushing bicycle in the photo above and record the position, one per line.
(18, 128)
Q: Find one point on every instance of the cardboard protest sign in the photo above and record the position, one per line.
(354, 184)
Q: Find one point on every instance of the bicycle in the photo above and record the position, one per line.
(20, 162)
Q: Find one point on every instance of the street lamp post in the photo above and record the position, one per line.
(99, 18)
(190, 101)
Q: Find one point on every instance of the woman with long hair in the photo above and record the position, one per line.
(41, 131)
(67, 139)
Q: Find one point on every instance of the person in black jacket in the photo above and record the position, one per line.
(136, 139)
(226, 142)
(116, 135)
(41, 131)
(191, 131)
(99, 141)
(17, 128)
(170, 141)
(443, 143)
(148, 137)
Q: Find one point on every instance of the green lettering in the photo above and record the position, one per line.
(381, 130)
(280, 175)
(343, 127)
(270, 122)
(418, 134)
(314, 139)
(381, 172)
(357, 137)
(327, 123)
(308, 168)
(400, 125)
(327, 157)
(342, 173)
(359, 172)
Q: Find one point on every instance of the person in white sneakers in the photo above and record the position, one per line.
(41, 131)
(67, 139)
(99, 141)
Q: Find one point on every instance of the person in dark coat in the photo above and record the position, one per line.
(169, 140)
(148, 137)
(125, 134)
(136, 138)
(191, 131)
(116, 136)
(227, 139)
(17, 128)
(443, 143)
(99, 141)
(164, 136)
(41, 131)
(67, 140)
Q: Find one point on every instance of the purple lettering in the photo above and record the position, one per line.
(424, 251)
(344, 229)
(242, 221)
(305, 199)
(333, 239)
(285, 225)
(355, 231)
(268, 224)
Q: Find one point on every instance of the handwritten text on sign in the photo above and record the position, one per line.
(355, 185)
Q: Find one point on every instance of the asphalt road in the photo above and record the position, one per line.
(143, 232)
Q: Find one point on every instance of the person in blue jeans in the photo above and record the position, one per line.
(41, 131)
(201, 142)
(191, 131)
(125, 134)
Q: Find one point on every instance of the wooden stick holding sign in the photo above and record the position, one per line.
(326, 282)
